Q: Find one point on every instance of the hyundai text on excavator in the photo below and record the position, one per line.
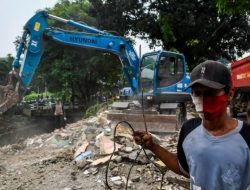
(158, 79)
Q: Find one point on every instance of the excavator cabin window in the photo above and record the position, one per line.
(147, 73)
(170, 71)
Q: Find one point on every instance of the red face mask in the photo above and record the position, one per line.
(214, 106)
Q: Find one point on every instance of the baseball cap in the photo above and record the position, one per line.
(212, 74)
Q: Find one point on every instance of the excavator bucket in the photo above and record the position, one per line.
(8, 98)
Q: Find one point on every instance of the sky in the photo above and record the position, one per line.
(15, 13)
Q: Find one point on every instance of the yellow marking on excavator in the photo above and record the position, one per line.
(37, 26)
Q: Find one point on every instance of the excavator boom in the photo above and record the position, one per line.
(32, 46)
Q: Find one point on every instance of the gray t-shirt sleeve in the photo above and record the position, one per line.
(187, 127)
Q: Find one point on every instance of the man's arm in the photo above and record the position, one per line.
(168, 158)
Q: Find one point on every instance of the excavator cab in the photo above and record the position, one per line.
(161, 93)
(161, 74)
(162, 83)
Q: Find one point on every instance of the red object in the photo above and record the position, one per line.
(240, 71)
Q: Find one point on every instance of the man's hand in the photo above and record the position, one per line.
(168, 158)
(144, 139)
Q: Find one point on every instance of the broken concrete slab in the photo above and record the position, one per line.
(102, 160)
(107, 145)
(81, 149)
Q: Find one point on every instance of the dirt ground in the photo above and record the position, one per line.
(48, 162)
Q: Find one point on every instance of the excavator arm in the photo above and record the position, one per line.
(32, 46)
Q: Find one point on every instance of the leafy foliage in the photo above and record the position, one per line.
(196, 29)
(233, 6)
(33, 96)
(5, 67)
(96, 108)
(119, 16)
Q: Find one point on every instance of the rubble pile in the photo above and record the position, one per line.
(8, 98)
(77, 158)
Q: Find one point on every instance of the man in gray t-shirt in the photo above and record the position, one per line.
(215, 162)
(214, 150)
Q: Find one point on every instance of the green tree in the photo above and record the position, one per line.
(119, 16)
(5, 67)
(233, 6)
(196, 29)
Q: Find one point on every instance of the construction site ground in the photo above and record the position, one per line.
(77, 158)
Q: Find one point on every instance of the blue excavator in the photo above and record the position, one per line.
(158, 78)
